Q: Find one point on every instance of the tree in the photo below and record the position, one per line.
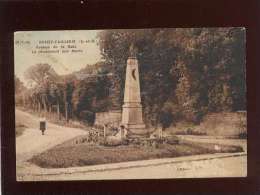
(156, 56)
(197, 70)
(40, 73)
(20, 90)
(184, 73)
(19, 86)
(43, 78)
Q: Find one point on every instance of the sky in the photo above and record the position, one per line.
(25, 42)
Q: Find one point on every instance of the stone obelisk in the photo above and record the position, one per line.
(132, 116)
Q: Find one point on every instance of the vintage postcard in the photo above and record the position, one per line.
(130, 104)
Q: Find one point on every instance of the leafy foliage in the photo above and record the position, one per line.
(184, 73)
(70, 96)
(198, 70)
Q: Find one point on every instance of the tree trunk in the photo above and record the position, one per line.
(66, 112)
(44, 105)
(23, 100)
(39, 107)
(58, 110)
(35, 105)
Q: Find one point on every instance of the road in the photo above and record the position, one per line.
(235, 166)
(31, 142)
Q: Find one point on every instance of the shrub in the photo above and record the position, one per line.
(172, 140)
(88, 116)
(190, 131)
(19, 129)
(242, 135)
(113, 141)
(166, 117)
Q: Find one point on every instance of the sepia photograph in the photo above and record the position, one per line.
(121, 104)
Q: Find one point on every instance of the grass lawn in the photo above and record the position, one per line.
(83, 154)
(19, 129)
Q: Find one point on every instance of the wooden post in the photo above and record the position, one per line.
(105, 130)
(160, 135)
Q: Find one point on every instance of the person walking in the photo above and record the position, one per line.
(43, 125)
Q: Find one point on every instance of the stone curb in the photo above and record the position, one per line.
(133, 164)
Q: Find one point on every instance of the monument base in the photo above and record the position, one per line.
(137, 130)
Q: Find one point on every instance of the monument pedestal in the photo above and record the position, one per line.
(132, 116)
(133, 120)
